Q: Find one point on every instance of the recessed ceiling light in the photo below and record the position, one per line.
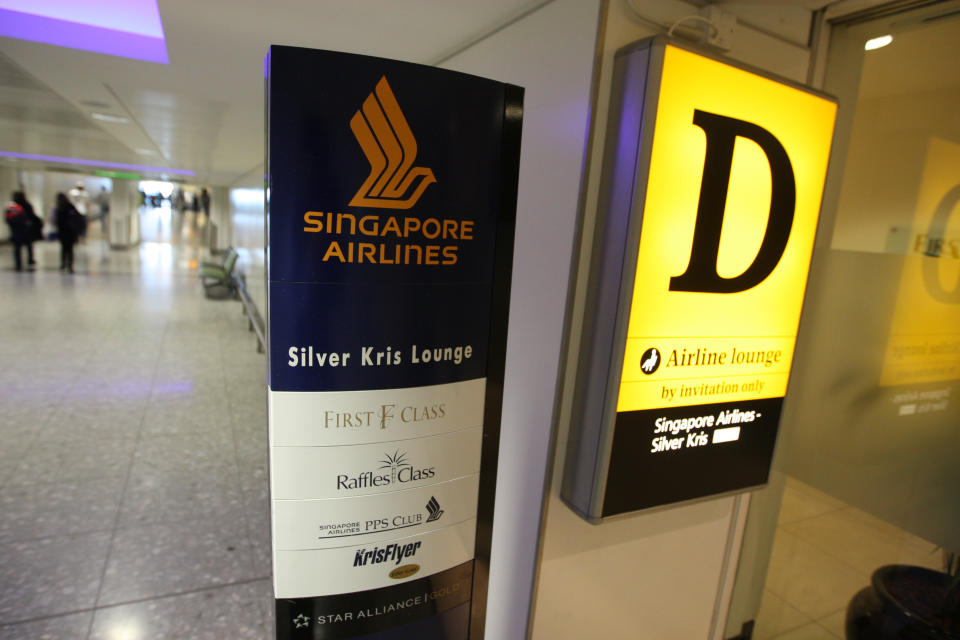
(146, 152)
(876, 43)
(106, 117)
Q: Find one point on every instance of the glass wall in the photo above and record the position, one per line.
(867, 471)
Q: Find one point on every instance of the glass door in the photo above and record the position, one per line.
(867, 472)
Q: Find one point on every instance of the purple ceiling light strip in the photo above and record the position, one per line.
(95, 163)
(35, 26)
(135, 16)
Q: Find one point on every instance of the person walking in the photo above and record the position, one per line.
(205, 201)
(25, 227)
(80, 198)
(70, 223)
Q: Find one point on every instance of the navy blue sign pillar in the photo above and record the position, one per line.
(391, 204)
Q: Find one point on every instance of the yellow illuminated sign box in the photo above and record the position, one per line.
(712, 181)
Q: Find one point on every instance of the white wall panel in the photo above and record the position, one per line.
(550, 52)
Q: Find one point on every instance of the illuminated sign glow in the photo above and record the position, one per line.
(124, 28)
(116, 175)
(728, 226)
(709, 207)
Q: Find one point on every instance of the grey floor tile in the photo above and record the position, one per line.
(88, 424)
(164, 559)
(248, 368)
(252, 451)
(197, 353)
(188, 392)
(260, 543)
(72, 626)
(7, 467)
(157, 497)
(106, 380)
(122, 397)
(17, 411)
(185, 453)
(254, 473)
(28, 390)
(203, 378)
(226, 612)
(268, 604)
(60, 461)
(249, 417)
(17, 438)
(251, 422)
(58, 509)
(51, 575)
(186, 380)
(176, 419)
(181, 388)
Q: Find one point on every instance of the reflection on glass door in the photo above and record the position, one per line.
(867, 471)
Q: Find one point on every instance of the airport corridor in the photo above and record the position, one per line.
(133, 469)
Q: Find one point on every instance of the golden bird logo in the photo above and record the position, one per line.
(388, 143)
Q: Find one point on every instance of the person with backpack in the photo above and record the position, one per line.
(70, 226)
(24, 228)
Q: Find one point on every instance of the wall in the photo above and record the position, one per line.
(550, 52)
(246, 211)
(667, 574)
(247, 231)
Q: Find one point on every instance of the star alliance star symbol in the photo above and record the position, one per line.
(301, 621)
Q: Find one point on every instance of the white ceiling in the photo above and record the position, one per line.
(204, 111)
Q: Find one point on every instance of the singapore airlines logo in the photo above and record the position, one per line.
(387, 141)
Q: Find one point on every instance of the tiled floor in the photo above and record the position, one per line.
(823, 553)
(133, 480)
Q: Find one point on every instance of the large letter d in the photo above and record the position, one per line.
(701, 273)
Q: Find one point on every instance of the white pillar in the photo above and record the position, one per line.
(32, 183)
(220, 219)
(124, 222)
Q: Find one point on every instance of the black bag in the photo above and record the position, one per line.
(78, 223)
(34, 227)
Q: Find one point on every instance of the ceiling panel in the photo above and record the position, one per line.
(204, 110)
(180, 125)
(35, 119)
